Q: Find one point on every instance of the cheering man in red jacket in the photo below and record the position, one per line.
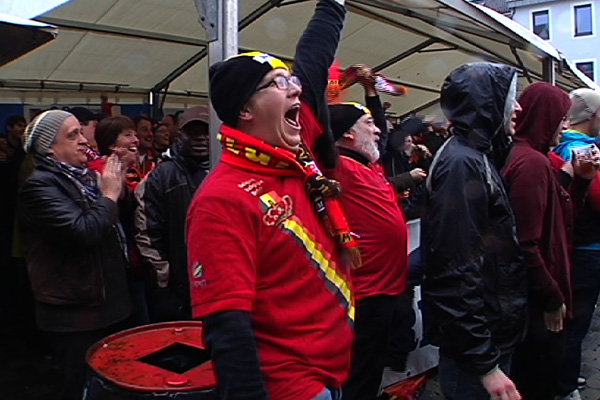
(265, 231)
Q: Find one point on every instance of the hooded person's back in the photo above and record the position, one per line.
(474, 283)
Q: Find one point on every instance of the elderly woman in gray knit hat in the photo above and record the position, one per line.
(76, 255)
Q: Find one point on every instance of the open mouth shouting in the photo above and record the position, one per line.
(292, 116)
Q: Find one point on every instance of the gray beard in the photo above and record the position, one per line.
(368, 149)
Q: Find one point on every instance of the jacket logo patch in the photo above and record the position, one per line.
(198, 271)
(251, 186)
(277, 209)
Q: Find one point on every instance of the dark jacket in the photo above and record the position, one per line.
(395, 161)
(163, 199)
(542, 207)
(398, 165)
(9, 176)
(74, 255)
(474, 278)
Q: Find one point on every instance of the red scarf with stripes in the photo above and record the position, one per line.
(251, 154)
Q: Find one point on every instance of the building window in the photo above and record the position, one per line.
(587, 68)
(583, 20)
(541, 24)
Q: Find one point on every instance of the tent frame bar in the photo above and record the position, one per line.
(121, 31)
(253, 16)
(405, 54)
(440, 23)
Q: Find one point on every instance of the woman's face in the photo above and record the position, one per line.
(126, 147)
(408, 144)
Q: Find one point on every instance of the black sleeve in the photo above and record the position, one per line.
(402, 182)
(127, 206)
(314, 55)
(373, 103)
(455, 224)
(564, 179)
(46, 207)
(423, 163)
(315, 52)
(579, 190)
(233, 351)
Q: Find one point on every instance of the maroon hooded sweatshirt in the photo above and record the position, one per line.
(542, 207)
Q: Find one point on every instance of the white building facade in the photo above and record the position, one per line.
(569, 25)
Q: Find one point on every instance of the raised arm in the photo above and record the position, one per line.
(314, 55)
(316, 50)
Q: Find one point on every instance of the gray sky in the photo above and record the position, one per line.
(28, 8)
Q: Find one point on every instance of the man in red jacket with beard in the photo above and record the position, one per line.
(371, 206)
(543, 213)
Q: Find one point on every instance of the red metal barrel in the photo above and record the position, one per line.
(151, 361)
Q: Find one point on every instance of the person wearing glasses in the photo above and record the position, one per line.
(268, 247)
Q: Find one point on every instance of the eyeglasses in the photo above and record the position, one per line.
(282, 82)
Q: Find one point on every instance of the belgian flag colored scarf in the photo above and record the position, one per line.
(251, 154)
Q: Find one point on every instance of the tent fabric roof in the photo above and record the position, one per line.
(133, 46)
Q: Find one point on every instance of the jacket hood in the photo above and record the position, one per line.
(543, 108)
(477, 99)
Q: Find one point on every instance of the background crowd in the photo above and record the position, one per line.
(298, 235)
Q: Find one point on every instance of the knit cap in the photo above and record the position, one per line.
(39, 134)
(585, 104)
(344, 115)
(233, 81)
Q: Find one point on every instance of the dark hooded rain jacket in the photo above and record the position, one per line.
(474, 282)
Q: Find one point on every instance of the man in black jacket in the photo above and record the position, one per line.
(163, 199)
(474, 279)
(76, 255)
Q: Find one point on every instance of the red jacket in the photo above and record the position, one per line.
(373, 213)
(541, 206)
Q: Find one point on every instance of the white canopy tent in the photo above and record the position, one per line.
(20, 36)
(129, 49)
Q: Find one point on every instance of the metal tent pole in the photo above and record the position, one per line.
(220, 20)
(549, 70)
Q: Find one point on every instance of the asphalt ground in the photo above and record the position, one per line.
(27, 371)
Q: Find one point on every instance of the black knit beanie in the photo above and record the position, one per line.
(233, 81)
(344, 115)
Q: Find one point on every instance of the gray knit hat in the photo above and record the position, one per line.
(40, 133)
(585, 104)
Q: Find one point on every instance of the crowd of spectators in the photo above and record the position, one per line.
(293, 251)
(79, 254)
